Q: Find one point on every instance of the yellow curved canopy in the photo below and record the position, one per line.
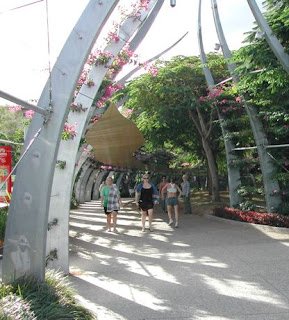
(114, 139)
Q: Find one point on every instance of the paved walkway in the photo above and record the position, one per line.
(206, 269)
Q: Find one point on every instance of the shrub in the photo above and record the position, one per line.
(3, 218)
(271, 219)
(30, 299)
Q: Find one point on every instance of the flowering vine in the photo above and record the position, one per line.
(77, 107)
(69, 131)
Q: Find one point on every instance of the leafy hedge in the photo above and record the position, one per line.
(270, 219)
(29, 299)
(3, 218)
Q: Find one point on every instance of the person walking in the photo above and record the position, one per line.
(172, 200)
(145, 196)
(186, 194)
(111, 202)
(164, 198)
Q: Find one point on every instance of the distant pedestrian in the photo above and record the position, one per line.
(172, 201)
(186, 194)
(145, 196)
(101, 186)
(163, 199)
(111, 202)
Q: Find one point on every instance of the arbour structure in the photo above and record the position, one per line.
(42, 193)
(29, 209)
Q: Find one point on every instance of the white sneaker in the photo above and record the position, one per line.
(176, 225)
(171, 222)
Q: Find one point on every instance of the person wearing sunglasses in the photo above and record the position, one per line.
(145, 197)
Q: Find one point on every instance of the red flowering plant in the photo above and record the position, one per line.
(89, 82)
(95, 118)
(100, 58)
(271, 219)
(77, 107)
(151, 69)
(226, 100)
(283, 193)
(28, 114)
(248, 162)
(69, 131)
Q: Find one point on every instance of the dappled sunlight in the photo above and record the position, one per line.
(188, 258)
(101, 311)
(273, 232)
(201, 315)
(138, 294)
(84, 255)
(86, 226)
(245, 290)
(85, 237)
(102, 258)
(90, 205)
(116, 244)
(126, 220)
(208, 261)
(159, 237)
(101, 241)
(180, 244)
(94, 219)
(83, 214)
(147, 270)
(150, 271)
(130, 248)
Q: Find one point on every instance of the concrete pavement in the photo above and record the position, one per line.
(209, 268)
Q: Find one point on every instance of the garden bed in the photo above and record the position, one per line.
(269, 219)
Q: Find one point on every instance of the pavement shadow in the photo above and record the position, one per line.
(206, 269)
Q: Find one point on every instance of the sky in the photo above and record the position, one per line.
(24, 57)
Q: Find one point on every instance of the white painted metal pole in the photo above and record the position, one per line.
(271, 39)
(26, 230)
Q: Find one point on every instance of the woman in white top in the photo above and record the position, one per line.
(171, 189)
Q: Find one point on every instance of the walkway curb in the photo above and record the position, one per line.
(247, 224)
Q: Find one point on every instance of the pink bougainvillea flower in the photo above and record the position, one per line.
(14, 109)
(29, 114)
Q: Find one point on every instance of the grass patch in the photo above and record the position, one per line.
(202, 202)
(53, 299)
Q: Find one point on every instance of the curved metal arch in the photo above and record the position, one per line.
(260, 138)
(60, 206)
(26, 228)
(233, 173)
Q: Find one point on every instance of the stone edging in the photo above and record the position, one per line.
(247, 224)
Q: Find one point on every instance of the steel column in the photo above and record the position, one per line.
(26, 228)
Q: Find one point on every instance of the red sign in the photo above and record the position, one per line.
(5, 169)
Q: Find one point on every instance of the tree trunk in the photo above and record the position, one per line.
(213, 171)
(204, 133)
(234, 180)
